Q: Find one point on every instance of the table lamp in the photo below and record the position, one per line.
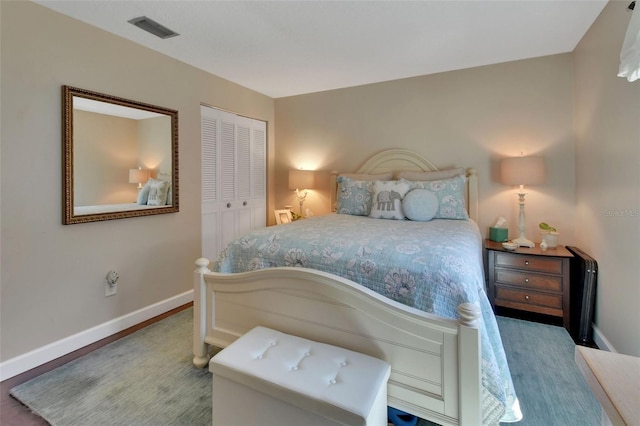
(301, 181)
(138, 176)
(522, 171)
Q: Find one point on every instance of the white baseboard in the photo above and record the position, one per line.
(601, 341)
(40, 356)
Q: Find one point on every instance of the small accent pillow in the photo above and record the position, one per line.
(450, 193)
(387, 199)
(143, 194)
(354, 196)
(158, 193)
(429, 176)
(420, 205)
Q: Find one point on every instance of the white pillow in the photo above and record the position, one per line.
(387, 199)
(158, 193)
(420, 205)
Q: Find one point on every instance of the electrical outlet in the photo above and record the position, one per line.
(110, 289)
(111, 286)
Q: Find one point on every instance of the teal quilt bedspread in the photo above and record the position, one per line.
(432, 266)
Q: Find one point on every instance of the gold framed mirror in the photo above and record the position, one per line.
(119, 158)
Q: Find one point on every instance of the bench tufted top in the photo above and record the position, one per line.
(333, 382)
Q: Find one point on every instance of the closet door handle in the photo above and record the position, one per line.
(244, 203)
(228, 205)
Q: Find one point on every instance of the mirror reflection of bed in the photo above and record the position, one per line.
(134, 201)
(410, 292)
(115, 149)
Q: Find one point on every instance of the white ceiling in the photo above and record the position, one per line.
(108, 108)
(284, 48)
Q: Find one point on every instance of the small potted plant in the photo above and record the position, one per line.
(549, 235)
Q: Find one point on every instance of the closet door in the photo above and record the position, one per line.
(233, 178)
(210, 182)
(250, 196)
(228, 180)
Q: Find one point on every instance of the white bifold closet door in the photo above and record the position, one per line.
(234, 195)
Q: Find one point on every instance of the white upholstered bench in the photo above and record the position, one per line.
(271, 378)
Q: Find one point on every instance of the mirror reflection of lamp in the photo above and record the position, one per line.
(301, 181)
(522, 171)
(138, 176)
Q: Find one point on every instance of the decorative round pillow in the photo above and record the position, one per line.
(420, 205)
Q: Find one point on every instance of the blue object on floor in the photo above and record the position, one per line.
(400, 418)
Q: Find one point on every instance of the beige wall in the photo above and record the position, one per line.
(52, 275)
(105, 147)
(154, 139)
(607, 115)
(469, 118)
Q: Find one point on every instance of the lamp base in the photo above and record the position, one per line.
(301, 197)
(523, 242)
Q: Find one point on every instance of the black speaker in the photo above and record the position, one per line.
(584, 277)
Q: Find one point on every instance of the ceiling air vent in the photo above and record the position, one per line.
(151, 26)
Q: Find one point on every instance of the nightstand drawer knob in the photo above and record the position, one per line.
(526, 280)
(526, 297)
(526, 262)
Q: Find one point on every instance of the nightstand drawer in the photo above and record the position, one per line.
(528, 279)
(529, 263)
(529, 297)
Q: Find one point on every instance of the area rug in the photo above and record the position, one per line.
(147, 378)
(549, 385)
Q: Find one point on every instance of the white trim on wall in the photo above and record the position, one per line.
(601, 341)
(44, 354)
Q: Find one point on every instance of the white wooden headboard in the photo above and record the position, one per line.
(164, 176)
(397, 160)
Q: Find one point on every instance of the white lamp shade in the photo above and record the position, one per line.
(301, 179)
(138, 175)
(522, 171)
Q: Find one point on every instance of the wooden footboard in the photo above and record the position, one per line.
(435, 361)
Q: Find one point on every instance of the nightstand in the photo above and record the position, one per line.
(530, 279)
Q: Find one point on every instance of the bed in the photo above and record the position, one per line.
(139, 205)
(358, 282)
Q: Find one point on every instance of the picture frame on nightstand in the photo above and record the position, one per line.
(283, 216)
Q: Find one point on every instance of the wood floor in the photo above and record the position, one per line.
(13, 413)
